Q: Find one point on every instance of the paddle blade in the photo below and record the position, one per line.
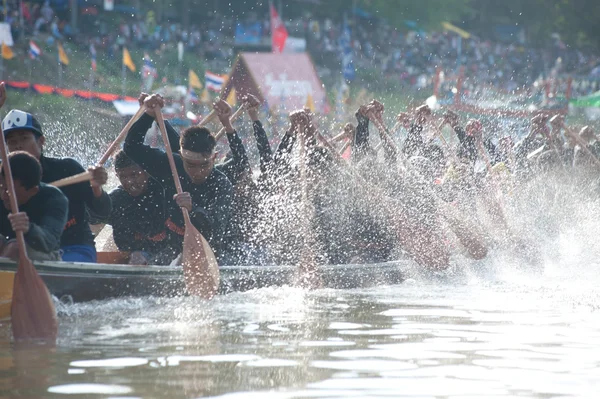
(200, 268)
(33, 315)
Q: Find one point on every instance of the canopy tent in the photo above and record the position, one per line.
(284, 82)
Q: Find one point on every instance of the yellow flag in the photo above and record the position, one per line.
(7, 53)
(194, 80)
(205, 98)
(62, 55)
(232, 97)
(310, 104)
(462, 33)
(127, 61)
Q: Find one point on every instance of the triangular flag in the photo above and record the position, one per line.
(205, 99)
(232, 97)
(127, 61)
(7, 52)
(310, 104)
(194, 80)
(34, 50)
(62, 55)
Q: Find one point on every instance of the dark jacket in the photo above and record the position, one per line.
(211, 199)
(81, 198)
(138, 223)
(47, 212)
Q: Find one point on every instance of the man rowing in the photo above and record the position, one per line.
(23, 132)
(139, 213)
(207, 192)
(42, 211)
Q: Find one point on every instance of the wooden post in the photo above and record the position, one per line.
(459, 85)
(436, 82)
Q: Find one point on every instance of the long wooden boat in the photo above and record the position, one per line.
(81, 282)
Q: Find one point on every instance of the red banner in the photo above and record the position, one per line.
(68, 93)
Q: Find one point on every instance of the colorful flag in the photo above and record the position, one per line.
(232, 97)
(192, 97)
(62, 55)
(194, 80)
(34, 50)
(148, 69)
(93, 55)
(127, 61)
(310, 103)
(205, 99)
(214, 82)
(279, 34)
(7, 52)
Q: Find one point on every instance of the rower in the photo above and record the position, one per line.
(42, 212)
(24, 133)
(207, 192)
(139, 209)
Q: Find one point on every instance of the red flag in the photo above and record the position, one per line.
(278, 32)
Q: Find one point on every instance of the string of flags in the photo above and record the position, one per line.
(213, 82)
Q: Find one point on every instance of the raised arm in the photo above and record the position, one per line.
(239, 162)
(154, 161)
(262, 141)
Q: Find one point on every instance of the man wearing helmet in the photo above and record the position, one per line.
(23, 132)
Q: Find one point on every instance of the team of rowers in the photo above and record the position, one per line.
(413, 200)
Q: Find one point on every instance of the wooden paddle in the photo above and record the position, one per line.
(87, 176)
(235, 115)
(308, 271)
(200, 268)
(465, 232)
(394, 128)
(582, 144)
(33, 315)
(205, 121)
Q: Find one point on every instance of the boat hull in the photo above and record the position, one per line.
(80, 282)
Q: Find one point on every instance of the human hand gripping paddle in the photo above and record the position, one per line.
(234, 116)
(200, 268)
(581, 144)
(467, 233)
(88, 175)
(33, 316)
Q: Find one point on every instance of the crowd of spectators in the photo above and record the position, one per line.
(411, 57)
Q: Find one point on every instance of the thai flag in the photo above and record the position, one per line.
(148, 69)
(93, 54)
(192, 96)
(214, 82)
(34, 50)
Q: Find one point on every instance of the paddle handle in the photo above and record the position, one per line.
(75, 179)
(163, 131)
(339, 137)
(235, 115)
(10, 187)
(207, 118)
(326, 143)
(386, 135)
(582, 144)
(115, 144)
(345, 147)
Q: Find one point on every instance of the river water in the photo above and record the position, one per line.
(501, 332)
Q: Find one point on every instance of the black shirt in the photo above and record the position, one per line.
(77, 231)
(139, 222)
(47, 212)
